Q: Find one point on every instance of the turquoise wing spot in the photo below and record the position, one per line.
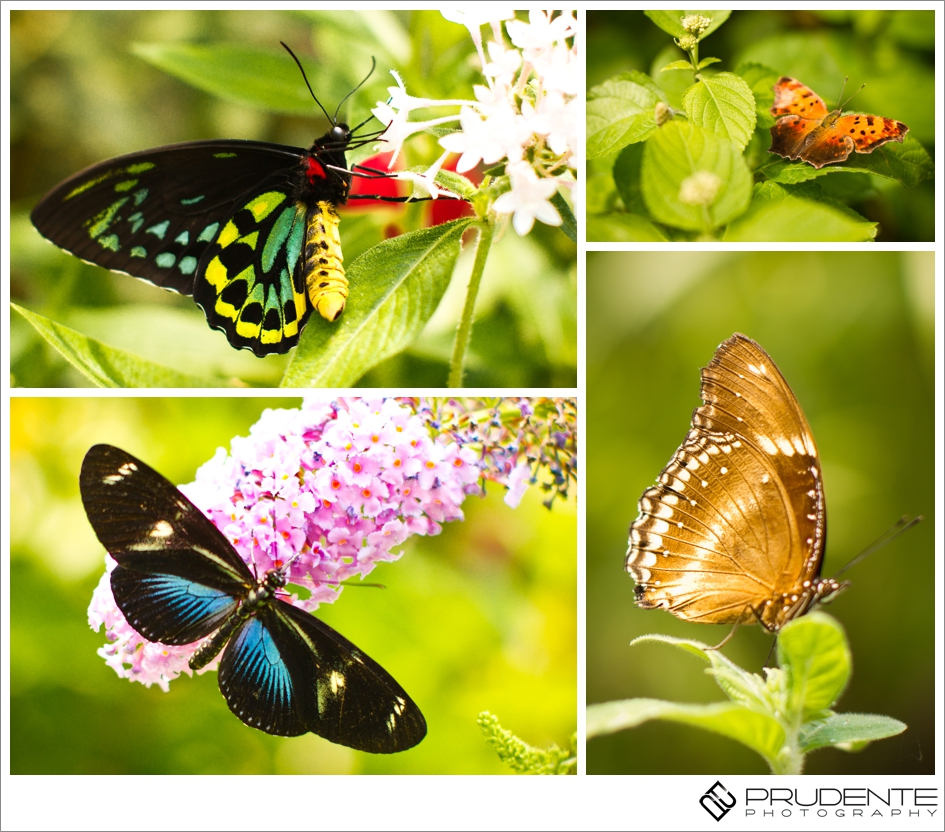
(191, 201)
(110, 241)
(140, 196)
(138, 251)
(187, 265)
(207, 235)
(165, 260)
(136, 220)
(159, 230)
(183, 238)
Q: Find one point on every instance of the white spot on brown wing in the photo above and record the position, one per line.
(765, 478)
(663, 511)
(785, 445)
(161, 529)
(767, 445)
(723, 470)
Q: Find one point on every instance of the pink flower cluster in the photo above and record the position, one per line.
(331, 489)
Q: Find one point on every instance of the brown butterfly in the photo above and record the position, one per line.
(811, 132)
(734, 530)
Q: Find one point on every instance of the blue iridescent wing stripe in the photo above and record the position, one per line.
(167, 608)
(256, 681)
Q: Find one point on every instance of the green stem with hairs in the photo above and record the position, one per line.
(464, 330)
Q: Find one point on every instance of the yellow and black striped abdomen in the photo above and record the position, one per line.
(322, 269)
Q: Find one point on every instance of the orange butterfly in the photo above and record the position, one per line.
(811, 132)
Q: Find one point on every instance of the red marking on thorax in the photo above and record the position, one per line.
(314, 169)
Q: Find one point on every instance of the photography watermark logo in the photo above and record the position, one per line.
(717, 801)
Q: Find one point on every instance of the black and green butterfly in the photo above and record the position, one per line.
(249, 229)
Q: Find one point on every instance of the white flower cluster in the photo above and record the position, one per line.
(525, 114)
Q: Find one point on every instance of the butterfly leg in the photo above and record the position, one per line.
(727, 638)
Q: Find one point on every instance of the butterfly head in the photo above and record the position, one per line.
(799, 601)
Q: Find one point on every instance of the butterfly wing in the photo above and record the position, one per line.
(870, 132)
(805, 131)
(286, 673)
(250, 282)
(791, 97)
(178, 578)
(152, 214)
(737, 518)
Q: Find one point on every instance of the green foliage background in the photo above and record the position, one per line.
(481, 617)
(853, 334)
(891, 51)
(82, 92)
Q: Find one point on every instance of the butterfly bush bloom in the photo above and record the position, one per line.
(334, 487)
(525, 115)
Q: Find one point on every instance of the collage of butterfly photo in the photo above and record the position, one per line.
(592, 315)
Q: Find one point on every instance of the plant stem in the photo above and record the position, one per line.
(464, 330)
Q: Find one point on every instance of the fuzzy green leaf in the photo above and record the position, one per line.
(669, 21)
(677, 65)
(623, 228)
(621, 111)
(724, 104)
(758, 731)
(394, 289)
(107, 366)
(850, 732)
(815, 656)
(680, 151)
(779, 214)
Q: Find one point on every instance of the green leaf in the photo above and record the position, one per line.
(761, 79)
(781, 213)
(724, 104)
(622, 228)
(265, 79)
(673, 157)
(568, 222)
(815, 656)
(677, 65)
(620, 112)
(908, 163)
(669, 21)
(708, 62)
(626, 173)
(106, 366)
(394, 289)
(757, 731)
(851, 732)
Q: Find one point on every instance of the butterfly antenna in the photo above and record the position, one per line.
(340, 103)
(903, 525)
(840, 102)
(307, 84)
(351, 582)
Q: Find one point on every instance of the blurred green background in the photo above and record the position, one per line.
(481, 617)
(892, 52)
(853, 335)
(80, 95)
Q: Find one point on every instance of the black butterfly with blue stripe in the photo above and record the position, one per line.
(179, 580)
